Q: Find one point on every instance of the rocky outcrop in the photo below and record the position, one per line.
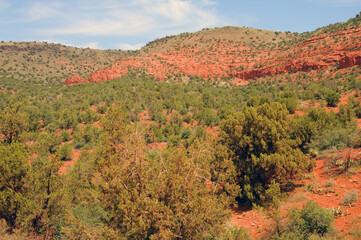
(107, 74)
(76, 79)
(350, 59)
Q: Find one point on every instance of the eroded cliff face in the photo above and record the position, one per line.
(223, 58)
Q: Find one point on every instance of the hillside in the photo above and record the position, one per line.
(208, 53)
(52, 62)
(227, 133)
(241, 53)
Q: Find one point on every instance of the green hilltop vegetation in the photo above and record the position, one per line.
(209, 36)
(352, 22)
(225, 147)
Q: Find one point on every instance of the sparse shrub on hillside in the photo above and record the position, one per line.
(310, 222)
(356, 230)
(351, 171)
(346, 116)
(207, 117)
(311, 187)
(358, 111)
(13, 123)
(337, 137)
(65, 152)
(51, 127)
(234, 233)
(91, 134)
(352, 102)
(329, 183)
(289, 99)
(350, 197)
(332, 98)
(46, 144)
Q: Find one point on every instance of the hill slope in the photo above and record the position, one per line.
(51, 62)
(241, 53)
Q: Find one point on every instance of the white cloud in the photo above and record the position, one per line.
(208, 2)
(126, 46)
(62, 42)
(111, 18)
(92, 45)
(116, 26)
(174, 10)
(40, 11)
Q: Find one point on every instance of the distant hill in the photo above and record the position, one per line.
(206, 37)
(52, 62)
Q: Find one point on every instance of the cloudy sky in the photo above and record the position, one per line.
(125, 24)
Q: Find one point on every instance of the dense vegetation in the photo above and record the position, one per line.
(123, 188)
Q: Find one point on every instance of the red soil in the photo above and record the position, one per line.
(213, 131)
(158, 145)
(299, 112)
(75, 156)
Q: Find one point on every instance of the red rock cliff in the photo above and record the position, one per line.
(342, 49)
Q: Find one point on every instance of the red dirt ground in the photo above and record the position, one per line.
(158, 145)
(75, 156)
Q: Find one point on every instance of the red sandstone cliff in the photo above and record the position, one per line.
(224, 59)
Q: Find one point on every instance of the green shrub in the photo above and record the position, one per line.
(337, 137)
(289, 99)
(313, 219)
(311, 187)
(262, 149)
(310, 222)
(358, 111)
(65, 152)
(207, 117)
(52, 127)
(65, 136)
(332, 99)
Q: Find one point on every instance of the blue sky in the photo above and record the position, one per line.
(122, 24)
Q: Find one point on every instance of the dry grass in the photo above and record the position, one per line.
(329, 183)
(356, 230)
(350, 197)
(311, 187)
(298, 197)
(310, 176)
(351, 171)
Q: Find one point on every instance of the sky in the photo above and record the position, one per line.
(129, 25)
